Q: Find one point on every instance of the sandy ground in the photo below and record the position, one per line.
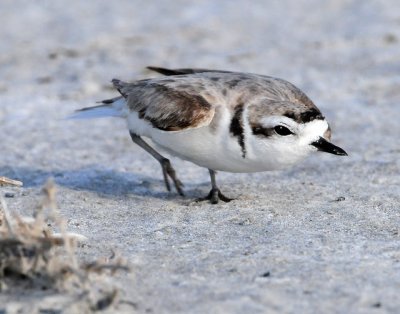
(287, 244)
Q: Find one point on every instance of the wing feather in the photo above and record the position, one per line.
(167, 108)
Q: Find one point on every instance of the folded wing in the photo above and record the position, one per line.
(167, 107)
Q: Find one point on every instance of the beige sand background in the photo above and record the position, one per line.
(286, 245)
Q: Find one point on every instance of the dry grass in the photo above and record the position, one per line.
(35, 258)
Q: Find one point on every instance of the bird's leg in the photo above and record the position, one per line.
(166, 166)
(215, 194)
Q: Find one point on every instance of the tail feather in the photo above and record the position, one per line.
(169, 72)
(109, 108)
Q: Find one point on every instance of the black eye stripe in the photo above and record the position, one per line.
(261, 131)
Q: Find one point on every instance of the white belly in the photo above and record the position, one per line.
(215, 149)
(203, 148)
(206, 149)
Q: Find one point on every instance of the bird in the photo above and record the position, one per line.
(220, 120)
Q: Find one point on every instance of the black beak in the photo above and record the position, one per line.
(324, 146)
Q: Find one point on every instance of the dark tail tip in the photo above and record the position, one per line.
(163, 71)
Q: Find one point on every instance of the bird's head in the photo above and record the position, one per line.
(288, 132)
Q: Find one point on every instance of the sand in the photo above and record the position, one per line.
(322, 237)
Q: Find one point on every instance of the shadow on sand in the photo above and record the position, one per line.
(105, 183)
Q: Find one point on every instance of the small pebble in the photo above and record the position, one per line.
(266, 274)
(377, 304)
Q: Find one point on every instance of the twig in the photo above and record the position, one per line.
(4, 180)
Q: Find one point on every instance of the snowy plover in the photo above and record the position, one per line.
(220, 120)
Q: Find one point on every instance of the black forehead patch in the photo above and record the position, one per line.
(306, 116)
(290, 115)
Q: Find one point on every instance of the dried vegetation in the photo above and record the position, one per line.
(38, 255)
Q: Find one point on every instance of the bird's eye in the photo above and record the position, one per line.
(282, 130)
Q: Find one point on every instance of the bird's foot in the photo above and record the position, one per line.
(169, 171)
(214, 196)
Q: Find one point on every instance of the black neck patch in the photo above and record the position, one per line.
(236, 127)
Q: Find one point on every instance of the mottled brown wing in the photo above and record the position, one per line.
(167, 108)
(170, 72)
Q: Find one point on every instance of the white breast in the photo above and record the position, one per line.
(210, 147)
(214, 147)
